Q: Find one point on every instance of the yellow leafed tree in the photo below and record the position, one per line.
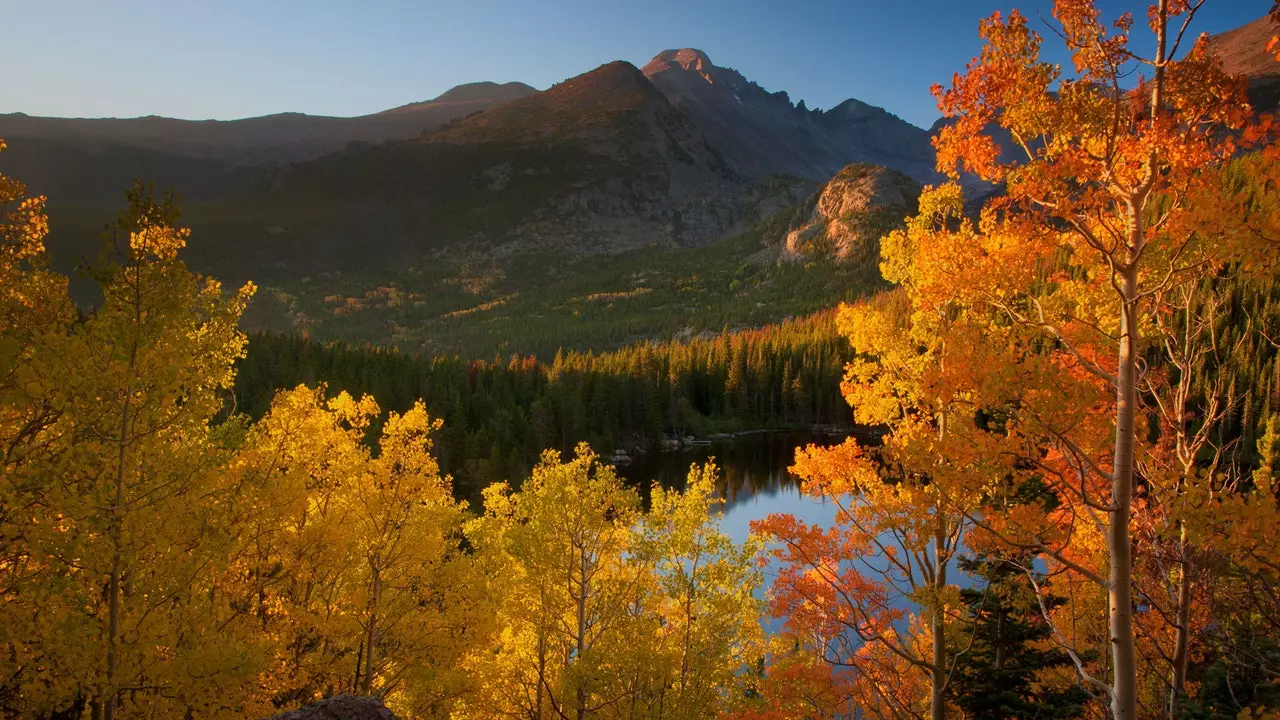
(351, 562)
(555, 552)
(108, 601)
(606, 612)
(709, 633)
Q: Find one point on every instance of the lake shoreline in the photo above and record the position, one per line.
(628, 453)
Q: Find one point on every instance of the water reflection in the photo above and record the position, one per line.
(754, 481)
(755, 484)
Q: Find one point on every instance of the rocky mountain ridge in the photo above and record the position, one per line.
(767, 134)
(601, 162)
(608, 161)
(678, 153)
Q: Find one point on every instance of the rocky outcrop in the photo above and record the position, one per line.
(846, 218)
(340, 707)
(764, 133)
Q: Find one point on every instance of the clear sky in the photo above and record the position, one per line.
(238, 58)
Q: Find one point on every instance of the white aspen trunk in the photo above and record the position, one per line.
(1178, 681)
(581, 640)
(1120, 595)
(938, 705)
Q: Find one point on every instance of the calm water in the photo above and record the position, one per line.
(754, 479)
(755, 483)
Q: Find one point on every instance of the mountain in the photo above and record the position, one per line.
(765, 133)
(636, 200)
(601, 162)
(476, 92)
(1243, 52)
(89, 162)
(270, 138)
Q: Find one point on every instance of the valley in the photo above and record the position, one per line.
(605, 210)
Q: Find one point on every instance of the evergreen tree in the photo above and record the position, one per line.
(996, 674)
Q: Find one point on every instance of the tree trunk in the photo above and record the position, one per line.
(113, 630)
(1178, 683)
(581, 640)
(1120, 620)
(107, 708)
(542, 672)
(938, 705)
(366, 687)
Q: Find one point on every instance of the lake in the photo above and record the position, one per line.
(754, 481)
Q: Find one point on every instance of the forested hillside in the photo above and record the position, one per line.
(500, 415)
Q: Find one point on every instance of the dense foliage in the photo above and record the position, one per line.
(1074, 337)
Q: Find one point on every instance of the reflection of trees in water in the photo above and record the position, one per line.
(762, 472)
(750, 465)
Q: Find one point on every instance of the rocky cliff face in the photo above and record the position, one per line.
(846, 218)
(764, 133)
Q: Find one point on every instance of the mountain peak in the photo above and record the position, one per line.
(580, 105)
(765, 133)
(471, 92)
(687, 59)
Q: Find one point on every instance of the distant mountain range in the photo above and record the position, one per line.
(270, 138)
(678, 153)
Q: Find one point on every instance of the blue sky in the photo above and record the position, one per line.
(236, 58)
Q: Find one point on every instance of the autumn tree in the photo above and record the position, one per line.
(35, 311)
(160, 560)
(1189, 399)
(609, 612)
(352, 559)
(108, 600)
(406, 528)
(709, 631)
(1099, 214)
(848, 591)
(291, 572)
(555, 554)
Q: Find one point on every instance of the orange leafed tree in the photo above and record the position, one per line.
(870, 597)
(1107, 196)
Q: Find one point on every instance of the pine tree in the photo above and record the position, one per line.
(998, 671)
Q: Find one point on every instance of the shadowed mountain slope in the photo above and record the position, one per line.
(601, 162)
